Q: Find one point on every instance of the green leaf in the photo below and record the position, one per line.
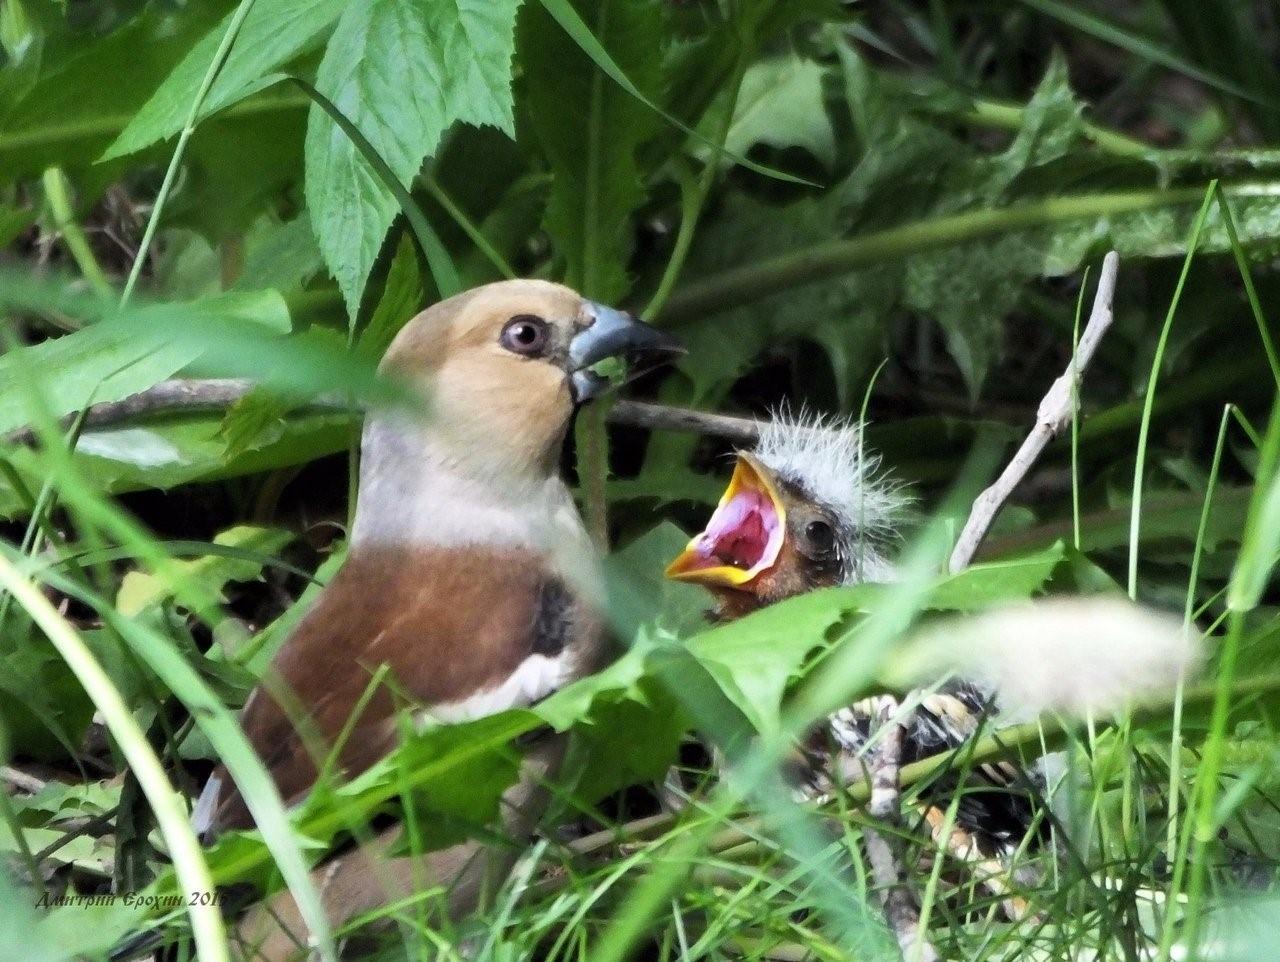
(590, 129)
(781, 104)
(1051, 125)
(402, 72)
(78, 104)
(983, 585)
(639, 593)
(281, 256)
(273, 32)
(443, 270)
(254, 421)
(754, 659)
(114, 359)
(43, 708)
(402, 297)
(164, 455)
(970, 290)
(140, 590)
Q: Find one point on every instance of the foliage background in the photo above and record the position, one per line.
(802, 190)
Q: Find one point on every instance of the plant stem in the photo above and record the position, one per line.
(58, 193)
(171, 174)
(1011, 116)
(693, 199)
(752, 282)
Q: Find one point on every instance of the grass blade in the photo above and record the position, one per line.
(1144, 430)
(234, 750)
(171, 815)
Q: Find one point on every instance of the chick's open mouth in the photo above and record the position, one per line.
(743, 537)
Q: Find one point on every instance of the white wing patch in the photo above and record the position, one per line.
(535, 678)
(206, 805)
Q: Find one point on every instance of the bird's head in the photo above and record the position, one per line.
(503, 365)
(804, 509)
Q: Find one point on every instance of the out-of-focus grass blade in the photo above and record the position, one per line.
(234, 750)
(180, 549)
(572, 23)
(184, 849)
(442, 267)
(238, 335)
(1140, 46)
(1261, 541)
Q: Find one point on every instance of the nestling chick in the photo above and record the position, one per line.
(806, 509)
(809, 509)
(470, 579)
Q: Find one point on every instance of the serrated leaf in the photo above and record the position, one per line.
(402, 72)
(273, 32)
(1051, 125)
(754, 659)
(780, 104)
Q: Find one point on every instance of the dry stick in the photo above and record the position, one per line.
(216, 394)
(1052, 417)
(885, 856)
(21, 780)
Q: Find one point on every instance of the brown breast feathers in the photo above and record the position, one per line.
(447, 624)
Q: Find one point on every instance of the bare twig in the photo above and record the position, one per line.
(661, 417)
(1052, 417)
(216, 394)
(20, 780)
(884, 848)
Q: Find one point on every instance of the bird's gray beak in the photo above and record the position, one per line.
(615, 334)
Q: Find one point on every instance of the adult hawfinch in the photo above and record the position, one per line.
(470, 582)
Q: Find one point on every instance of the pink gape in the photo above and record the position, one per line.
(743, 533)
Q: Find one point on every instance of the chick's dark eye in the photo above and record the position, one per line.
(820, 535)
(525, 334)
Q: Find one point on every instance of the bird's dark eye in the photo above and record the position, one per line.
(525, 334)
(821, 536)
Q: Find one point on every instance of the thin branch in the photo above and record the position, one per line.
(1052, 417)
(884, 849)
(217, 394)
(20, 780)
(744, 432)
(884, 767)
